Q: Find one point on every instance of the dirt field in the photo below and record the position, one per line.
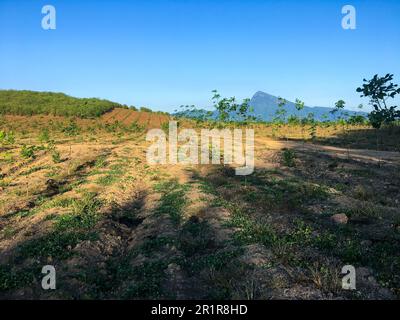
(127, 117)
(115, 227)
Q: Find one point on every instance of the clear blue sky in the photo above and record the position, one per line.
(163, 54)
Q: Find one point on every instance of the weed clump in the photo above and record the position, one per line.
(288, 158)
(28, 152)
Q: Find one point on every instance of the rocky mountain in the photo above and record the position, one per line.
(265, 106)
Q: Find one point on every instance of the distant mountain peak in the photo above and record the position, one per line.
(259, 93)
(262, 94)
(265, 106)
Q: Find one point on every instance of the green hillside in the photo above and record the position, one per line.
(31, 102)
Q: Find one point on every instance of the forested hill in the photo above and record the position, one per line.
(24, 102)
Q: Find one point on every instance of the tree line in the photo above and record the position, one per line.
(380, 91)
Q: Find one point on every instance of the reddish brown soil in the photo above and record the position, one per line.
(127, 117)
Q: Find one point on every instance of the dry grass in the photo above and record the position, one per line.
(118, 228)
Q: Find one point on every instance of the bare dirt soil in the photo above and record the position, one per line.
(127, 117)
(116, 228)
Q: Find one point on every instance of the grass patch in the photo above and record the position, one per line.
(84, 214)
(173, 199)
(155, 244)
(57, 245)
(195, 236)
(215, 261)
(8, 232)
(250, 231)
(364, 210)
(107, 180)
(147, 282)
(34, 169)
(69, 230)
(112, 175)
(13, 279)
(101, 162)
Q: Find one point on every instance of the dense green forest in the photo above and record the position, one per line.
(31, 102)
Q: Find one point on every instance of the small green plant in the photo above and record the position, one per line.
(302, 234)
(313, 126)
(325, 277)
(288, 157)
(299, 107)
(7, 137)
(28, 152)
(44, 136)
(101, 162)
(165, 127)
(135, 127)
(84, 214)
(71, 130)
(8, 232)
(280, 114)
(55, 155)
(113, 127)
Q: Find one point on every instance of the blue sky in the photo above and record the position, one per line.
(163, 54)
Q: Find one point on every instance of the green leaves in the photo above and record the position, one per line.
(44, 136)
(280, 114)
(7, 137)
(379, 89)
(71, 129)
(144, 109)
(23, 102)
(28, 152)
(228, 109)
(340, 105)
(299, 105)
